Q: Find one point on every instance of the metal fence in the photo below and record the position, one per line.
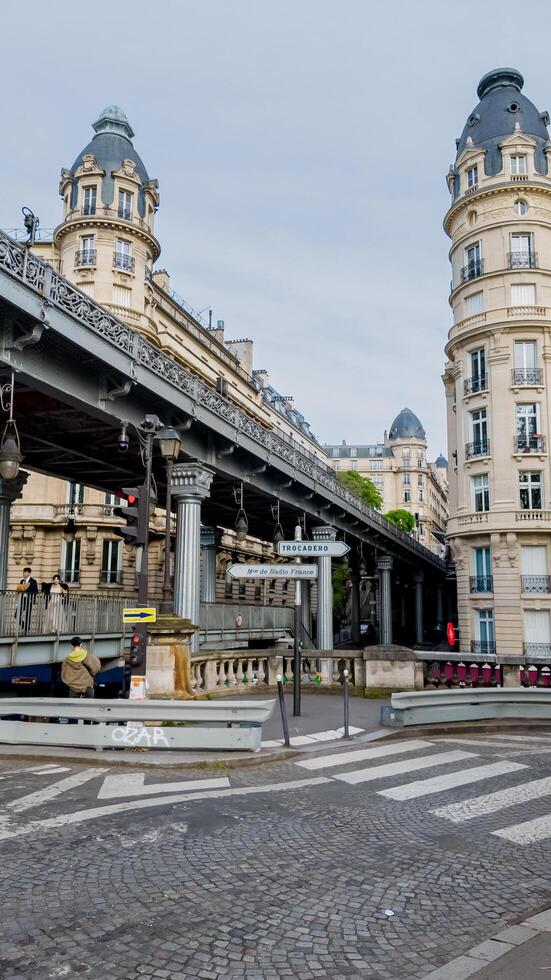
(247, 621)
(42, 615)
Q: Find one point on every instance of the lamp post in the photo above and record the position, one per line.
(170, 445)
(10, 450)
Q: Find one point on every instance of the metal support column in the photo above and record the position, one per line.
(208, 564)
(10, 490)
(440, 604)
(190, 486)
(325, 594)
(384, 567)
(419, 633)
(355, 617)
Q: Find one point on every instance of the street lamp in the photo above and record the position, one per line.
(278, 535)
(241, 522)
(170, 445)
(10, 449)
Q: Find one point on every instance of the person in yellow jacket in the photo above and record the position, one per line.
(79, 669)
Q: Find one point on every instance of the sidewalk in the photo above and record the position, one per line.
(518, 951)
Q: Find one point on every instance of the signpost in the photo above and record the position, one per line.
(313, 549)
(243, 570)
(144, 614)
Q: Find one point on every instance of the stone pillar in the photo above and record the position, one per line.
(10, 490)
(325, 592)
(355, 617)
(208, 564)
(419, 607)
(384, 567)
(190, 486)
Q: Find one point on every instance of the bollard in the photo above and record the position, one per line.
(346, 705)
(283, 710)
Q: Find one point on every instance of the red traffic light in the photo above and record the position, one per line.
(135, 639)
(126, 495)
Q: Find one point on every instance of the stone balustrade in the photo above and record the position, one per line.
(218, 672)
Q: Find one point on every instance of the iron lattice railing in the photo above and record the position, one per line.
(482, 583)
(483, 646)
(472, 385)
(479, 448)
(22, 614)
(536, 583)
(527, 376)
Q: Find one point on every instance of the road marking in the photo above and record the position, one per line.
(527, 832)
(422, 787)
(37, 772)
(406, 765)
(520, 738)
(50, 792)
(94, 813)
(330, 736)
(476, 741)
(359, 755)
(478, 806)
(132, 784)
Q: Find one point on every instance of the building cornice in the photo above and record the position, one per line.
(98, 220)
(464, 201)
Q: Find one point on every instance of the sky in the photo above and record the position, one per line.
(301, 149)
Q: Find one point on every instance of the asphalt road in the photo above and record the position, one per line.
(384, 865)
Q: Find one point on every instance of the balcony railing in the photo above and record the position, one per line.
(482, 583)
(70, 575)
(111, 577)
(527, 376)
(523, 260)
(85, 256)
(479, 448)
(483, 646)
(125, 214)
(88, 209)
(123, 261)
(530, 444)
(472, 270)
(537, 649)
(536, 583)
(533, 515)
(472, 385)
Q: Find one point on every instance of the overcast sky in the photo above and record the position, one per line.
(301, 149)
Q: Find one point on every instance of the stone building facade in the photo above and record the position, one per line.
(498, 372)
(399, 469)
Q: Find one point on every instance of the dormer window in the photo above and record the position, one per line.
(519, 164)
(125, 205)
(472, 176)
(89, 200)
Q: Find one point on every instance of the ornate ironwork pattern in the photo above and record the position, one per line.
(537, 650)
(536, 583)
(20, 263)
(483, 646)
(527, 376)
(482, 583)
(479, 448)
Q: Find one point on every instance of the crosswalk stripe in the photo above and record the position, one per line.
(55, 789)
(478, 741)
(479, 806)
(422, 787)
(360, 755)
(527, 832)
(520, 738)
(406, 765)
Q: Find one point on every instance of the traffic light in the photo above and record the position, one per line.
(138, 646)
(136, 520)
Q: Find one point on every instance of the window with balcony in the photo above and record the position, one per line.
(125, 205)
(519, 164)
(525, 371)
(75, 494)
(522, 255)
(482, 580)
(86, 254)
(531, 489)
(70, 561)
(472, 176)
(376, 464)
(407, 496)
(479, 446)
(484, 632)
(478, 380)
(474, 303)
(537, 637)
(123, 258)
(528, 438)
(111, 571)
(407, 479)
(480, 492)
(533, 566)
(89, 200)
(523, 295)
(473, 262)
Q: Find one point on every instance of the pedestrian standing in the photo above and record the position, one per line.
(57, 593)
(79, 669)
(28, 589)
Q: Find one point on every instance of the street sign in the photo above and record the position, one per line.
(239, 570)
(314, 549)
(147, 614)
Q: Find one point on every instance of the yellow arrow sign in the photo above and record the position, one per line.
(145, 614)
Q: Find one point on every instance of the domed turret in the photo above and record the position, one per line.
(406, 425)
(441, 463)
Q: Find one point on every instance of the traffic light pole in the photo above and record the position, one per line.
(297, 666)
(143, 532)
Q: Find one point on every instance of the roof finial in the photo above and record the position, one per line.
(113, 120)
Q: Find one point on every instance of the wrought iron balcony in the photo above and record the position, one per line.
(110, 577)
(527, 376)
(537, 649)
(479, 448)
(125, 214)
(483, 646)
(536, 583)
(482, 583)
(523, 260)
(530, 444)
(89, 209)
(472, 385)
(123, 261)
(472, 270)
(85, 257)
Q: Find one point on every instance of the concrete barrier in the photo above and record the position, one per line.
(134, 724)
(438, 707)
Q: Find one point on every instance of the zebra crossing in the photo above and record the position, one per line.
(400, 763)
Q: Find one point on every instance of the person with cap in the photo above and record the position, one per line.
(79, 669)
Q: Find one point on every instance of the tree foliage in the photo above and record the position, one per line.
(401, 519)
(362, 487)
(340, 576)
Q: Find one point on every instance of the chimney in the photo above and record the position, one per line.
(243, 351)
(219, 331)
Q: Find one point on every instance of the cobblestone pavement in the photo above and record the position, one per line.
(334, 865)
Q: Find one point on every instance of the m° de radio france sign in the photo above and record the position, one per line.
(242, 570)
(313, 549)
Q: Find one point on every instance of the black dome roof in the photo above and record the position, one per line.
(406, 425)
(502, 105)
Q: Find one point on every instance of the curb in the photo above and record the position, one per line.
(498, 945)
